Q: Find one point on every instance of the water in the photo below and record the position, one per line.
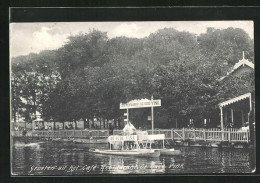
(67, 158)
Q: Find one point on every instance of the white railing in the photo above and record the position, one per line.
(198, 134)
(201, 134)
(63, 133)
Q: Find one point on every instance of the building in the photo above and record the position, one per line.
(239, 111)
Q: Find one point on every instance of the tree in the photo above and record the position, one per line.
(91, 74)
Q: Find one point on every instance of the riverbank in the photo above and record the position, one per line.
(168, 143)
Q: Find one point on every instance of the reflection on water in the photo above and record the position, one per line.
(57, 158)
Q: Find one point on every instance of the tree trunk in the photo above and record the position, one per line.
(84, 123)
(75, 125)
(118, 123)
(88, 123)
(104, 123)
(34, 104)
(114, 123)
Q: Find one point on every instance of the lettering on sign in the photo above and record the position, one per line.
(122, 138)
(140, 104)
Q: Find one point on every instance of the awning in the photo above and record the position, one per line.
(233, 100)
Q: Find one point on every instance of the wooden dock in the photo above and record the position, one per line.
(201, 134)
(184, 134)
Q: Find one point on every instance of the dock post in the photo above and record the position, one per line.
(204, 135)
(221, 123)
(194, 135)
(163, 143)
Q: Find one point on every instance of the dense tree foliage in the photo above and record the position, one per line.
(91, 74)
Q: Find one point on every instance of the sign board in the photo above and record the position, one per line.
(114, 138)
(122, 138)
(140, 104)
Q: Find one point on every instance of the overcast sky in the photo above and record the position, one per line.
(28, 38)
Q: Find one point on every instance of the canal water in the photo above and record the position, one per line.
(68, 158)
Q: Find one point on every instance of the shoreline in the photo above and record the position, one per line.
(169, 143)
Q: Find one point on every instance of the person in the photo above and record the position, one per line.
(16, 128)
(111, 129)
(24, 132)
(230, 125)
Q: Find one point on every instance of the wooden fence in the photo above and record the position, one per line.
(198, 134)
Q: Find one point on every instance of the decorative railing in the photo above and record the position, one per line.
(198, 134)
(63, 133)
(201, 134)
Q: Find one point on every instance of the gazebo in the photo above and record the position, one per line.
(236, 111)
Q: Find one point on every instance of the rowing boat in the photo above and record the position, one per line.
(171, 151)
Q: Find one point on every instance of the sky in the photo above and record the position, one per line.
(28, 38)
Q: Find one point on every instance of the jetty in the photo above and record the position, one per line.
(183, 134)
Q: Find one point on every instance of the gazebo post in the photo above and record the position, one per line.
(232, 116)
(250, 107)
(250, 101)
(221, 121)
(242, 117)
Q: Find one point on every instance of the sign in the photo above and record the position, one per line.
(140, 104)
(114, 138)
(122, 138)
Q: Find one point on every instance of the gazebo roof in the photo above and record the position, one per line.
(241, 63)
(233, 100)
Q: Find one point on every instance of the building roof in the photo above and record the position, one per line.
(241, 63)
(233, 100)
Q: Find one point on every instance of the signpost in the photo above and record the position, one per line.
(152, 115)
(143, 103)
